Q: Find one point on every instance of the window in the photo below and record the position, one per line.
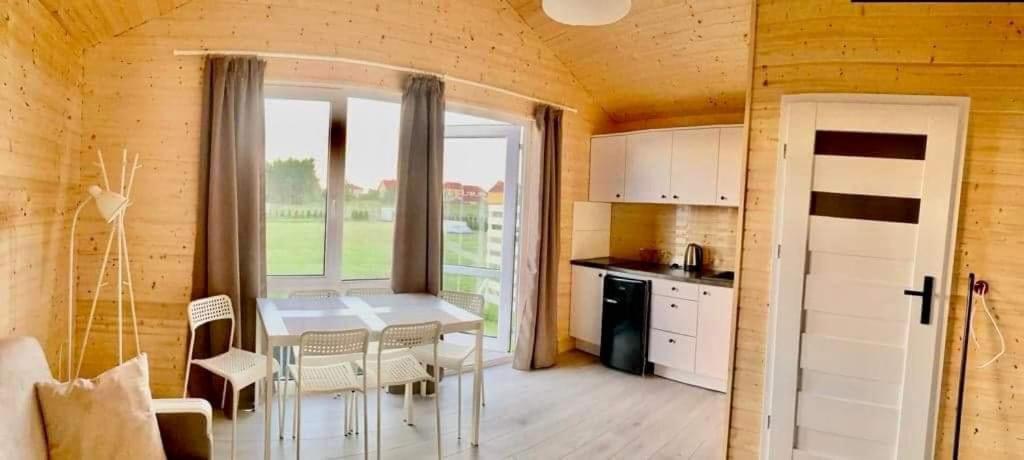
(297, 133)
(371, 164)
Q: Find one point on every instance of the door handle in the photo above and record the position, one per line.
(926, 298)
(611, 301)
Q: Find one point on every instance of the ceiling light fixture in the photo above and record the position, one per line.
(586, 12)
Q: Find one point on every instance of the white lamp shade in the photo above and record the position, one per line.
(586, 12)
(108, 203)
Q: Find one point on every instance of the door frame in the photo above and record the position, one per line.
(514, 136)
(943, 290)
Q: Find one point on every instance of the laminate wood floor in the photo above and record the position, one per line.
(577, 410)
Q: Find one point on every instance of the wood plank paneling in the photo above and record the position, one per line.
(806, 46)
(664, 59)
(40, 121)
(476, 39)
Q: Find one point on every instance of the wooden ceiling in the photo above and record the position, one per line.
(666, 58)
(91, 21)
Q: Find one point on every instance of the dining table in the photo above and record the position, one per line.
(282, 322)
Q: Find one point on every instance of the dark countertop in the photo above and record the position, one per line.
(652, 270)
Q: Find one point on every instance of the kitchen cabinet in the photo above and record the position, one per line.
(586, 304)
(608, 168)
(648, 167)
(695, 166)
(714, 319)
(730, 166)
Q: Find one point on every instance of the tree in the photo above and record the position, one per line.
(293, 181)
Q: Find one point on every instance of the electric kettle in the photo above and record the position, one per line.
(693, 259)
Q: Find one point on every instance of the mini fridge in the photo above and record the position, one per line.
(624, 320)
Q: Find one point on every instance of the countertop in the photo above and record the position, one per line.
(653, 270)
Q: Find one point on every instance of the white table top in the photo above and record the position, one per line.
(285, 320)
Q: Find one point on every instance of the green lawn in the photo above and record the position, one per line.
(296, 247)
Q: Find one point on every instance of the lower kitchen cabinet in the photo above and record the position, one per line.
(587, 302)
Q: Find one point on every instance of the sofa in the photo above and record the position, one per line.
(185, 424)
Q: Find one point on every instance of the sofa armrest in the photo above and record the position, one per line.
(186, 427)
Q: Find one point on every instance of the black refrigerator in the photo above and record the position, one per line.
(624, 319)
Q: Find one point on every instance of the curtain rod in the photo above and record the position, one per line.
(315, 57)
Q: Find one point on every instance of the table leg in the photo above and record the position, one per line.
(267, 394)
(478, 375)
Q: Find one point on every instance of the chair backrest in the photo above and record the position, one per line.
(333, 343)
(473, 303)
(362, 292)
(202, 311)
(403, 336)
(314, 294)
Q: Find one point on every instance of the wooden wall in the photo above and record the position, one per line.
(136, 94)
(40, 99)
(960, 50)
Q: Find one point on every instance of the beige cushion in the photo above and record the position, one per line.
(22, 364)
(109, 417)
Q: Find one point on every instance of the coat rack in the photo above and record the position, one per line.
(981, 288)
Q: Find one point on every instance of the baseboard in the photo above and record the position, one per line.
(690, 378)
(588, 347)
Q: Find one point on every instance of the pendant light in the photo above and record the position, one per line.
(586, 12)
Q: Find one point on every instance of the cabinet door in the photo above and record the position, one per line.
(587, 301)
(714, 318)
(695, 166)
(607, 168)
(730, 164)
(648, 164)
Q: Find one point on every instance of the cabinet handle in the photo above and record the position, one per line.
(618, 195)
(705, 292)
(600, 275)
(674, 289)
(671, 340)
(664, 196)
(674, 306)
(722, 198)
(675, 197)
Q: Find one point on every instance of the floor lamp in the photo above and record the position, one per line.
(111, 207)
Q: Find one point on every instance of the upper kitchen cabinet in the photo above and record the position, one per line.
(695, 166)
(608, 168)
(648, 164)
(730, 166)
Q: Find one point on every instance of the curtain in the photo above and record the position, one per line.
(537, 338)
(417, 252)
(230, 247)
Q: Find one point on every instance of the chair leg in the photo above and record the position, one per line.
(366, 426)
(378, 423)
(224, 393)
(347, 418)
(458, 434)
(282, 390)
(298, 425)
(408, 404)
(437, 414)
(295, 414)
(355, 408)
(234, 420)
(483, 400)
(188, 372)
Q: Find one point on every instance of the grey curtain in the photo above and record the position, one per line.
(537, 338)
(417, 252)
(230, 245)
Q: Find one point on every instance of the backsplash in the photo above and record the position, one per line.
(670, 228)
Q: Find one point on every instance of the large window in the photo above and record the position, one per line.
(332, 162)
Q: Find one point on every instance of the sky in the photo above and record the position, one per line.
(299, 128)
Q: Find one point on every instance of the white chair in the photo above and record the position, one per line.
(340, 376)
(285, 354)
(454, 356)
(364, 292)
(403, 368)
(236, 366)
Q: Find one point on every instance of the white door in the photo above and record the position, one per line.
(648, 166)
(587, 304)
(607, 168)
(695, 166)
(730, 163)
(866, 209)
